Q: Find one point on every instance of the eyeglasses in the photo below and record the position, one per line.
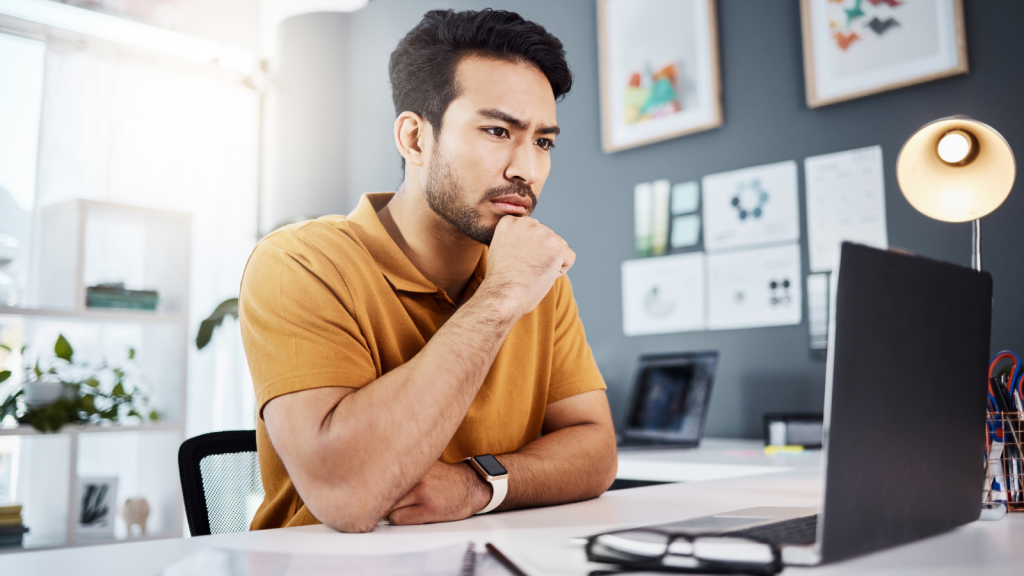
(649, 549)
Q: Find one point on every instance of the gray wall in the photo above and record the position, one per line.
(588, 198)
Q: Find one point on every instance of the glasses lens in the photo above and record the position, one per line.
(628, 546)
(724, 549)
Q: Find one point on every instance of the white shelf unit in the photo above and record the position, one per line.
(78, 244)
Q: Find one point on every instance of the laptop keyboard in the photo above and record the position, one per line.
(796, 531)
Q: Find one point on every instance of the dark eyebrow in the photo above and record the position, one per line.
(507, 118)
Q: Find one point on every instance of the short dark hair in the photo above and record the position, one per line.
(423, 66)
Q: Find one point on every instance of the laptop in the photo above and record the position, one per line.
(905, 403)
(669, 400)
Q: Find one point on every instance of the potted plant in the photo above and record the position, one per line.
(69, 391)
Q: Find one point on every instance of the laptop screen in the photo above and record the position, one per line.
(670, 395)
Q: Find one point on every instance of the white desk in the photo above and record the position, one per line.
(540, 536)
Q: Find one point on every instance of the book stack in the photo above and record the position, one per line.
(114, 295)
(12, 528)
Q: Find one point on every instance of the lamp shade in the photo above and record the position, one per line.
(956, 169)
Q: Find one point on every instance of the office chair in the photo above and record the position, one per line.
(220, 481)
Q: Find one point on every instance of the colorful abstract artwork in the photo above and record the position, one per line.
(854, 48)
(652, 95)
(851, 21)
(659, 70)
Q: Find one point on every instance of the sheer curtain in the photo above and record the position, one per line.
(130, 128)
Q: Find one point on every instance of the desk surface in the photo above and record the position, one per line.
(540, 537)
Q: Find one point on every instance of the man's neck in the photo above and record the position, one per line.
(441, 253)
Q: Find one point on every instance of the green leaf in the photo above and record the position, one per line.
(10, 405)
(88, 404)
(154, 415)
(63, 348)
(226, 308)
(118, 391)
(92, 382)
(50, 419)
(4, 375)
(39, 373)
(131, 353)
(6, 347)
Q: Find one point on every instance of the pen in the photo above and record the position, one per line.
(504, 561)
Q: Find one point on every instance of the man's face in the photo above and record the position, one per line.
(494, 151)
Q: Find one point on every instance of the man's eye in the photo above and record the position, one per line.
(545, 144)
(499, 132)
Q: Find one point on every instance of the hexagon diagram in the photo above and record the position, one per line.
(750, 199)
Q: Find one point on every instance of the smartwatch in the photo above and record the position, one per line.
(494, 473)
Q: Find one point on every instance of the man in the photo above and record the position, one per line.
(388, 346)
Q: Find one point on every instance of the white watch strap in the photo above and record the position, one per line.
(500, 489)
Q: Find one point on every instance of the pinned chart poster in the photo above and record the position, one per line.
(661, 295)
(755, 288)
(845, 201)
(751, 206)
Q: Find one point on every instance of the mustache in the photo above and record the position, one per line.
(521, 190)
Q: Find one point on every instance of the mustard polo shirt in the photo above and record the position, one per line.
(335, 302)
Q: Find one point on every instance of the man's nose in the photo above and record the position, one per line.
(523, 165)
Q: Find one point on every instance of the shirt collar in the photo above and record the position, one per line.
(392, 262)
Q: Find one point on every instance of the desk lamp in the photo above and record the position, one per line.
(956, 169)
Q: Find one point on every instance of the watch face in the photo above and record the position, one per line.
(490, 465)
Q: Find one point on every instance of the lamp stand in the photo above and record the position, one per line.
(976, 245)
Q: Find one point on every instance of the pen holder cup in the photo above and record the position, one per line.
(1004, 454)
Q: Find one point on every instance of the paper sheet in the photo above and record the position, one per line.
(751, 206)
(643, 198)
(685, 198)
(754, 288)
(664, 294)
(845, 201)
(660, 191)
(685, 231)
(448, 561)
(817, 311)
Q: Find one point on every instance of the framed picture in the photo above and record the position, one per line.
(659, 70)
(97, 503)
(854, 48)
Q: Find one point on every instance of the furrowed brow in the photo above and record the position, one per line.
(495, 114)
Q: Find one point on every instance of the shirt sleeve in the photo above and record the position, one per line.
(573, 369)
(298, 320)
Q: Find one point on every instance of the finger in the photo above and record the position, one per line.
(568, 259)
(409, 499)
(408, 516)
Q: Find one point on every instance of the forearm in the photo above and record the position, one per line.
(389, 433)
(574, 463)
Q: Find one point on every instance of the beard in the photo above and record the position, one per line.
(446, 197)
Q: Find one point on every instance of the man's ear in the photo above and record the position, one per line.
(411, 136)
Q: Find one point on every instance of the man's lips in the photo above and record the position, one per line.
(513, 204)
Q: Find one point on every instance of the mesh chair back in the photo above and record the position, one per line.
(220, 481)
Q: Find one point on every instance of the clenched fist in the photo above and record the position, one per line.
(448, 492)
(524, 260)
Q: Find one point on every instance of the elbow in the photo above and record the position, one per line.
(344, 511)
(610, 472)
(605, 470)
(351, 523)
